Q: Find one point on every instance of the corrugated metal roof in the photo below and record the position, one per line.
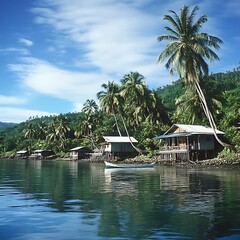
(22, 151)
(173, 135)
(42, 150)
(193, 129)
(118, 139)
(76, 148)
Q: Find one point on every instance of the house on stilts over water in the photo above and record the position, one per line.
(118, 146)
(183, 142)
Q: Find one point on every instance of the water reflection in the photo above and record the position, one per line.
(124, 181)
(158, 203)
(73, 169)
(197, 192)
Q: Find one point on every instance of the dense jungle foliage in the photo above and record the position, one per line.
(131, 108)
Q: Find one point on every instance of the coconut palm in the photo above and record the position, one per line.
(189, 108)
(85, 127)
(41, 132)
(136, 95)
(157, 111)
(137, 98)
(58, 130)
(62, 127)
(52, 135)
(90, 107)
(110, 100)
(134, 85)
(30, 133)
(188, 51)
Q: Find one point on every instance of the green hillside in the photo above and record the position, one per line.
(143, 121)
(6, 124)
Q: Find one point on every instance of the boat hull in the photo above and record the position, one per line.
(113, 165)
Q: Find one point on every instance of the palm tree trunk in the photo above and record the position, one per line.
(119, 132)
(208, 113)
(137, 149)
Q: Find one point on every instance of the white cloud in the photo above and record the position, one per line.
(77, 107)
(101, 40)
(13, 100)
(44, 78)
(17, 115)
(22, 51)
(115, 37)
(25, 42)
(51, 49)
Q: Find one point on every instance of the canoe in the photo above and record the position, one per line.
(114, 165)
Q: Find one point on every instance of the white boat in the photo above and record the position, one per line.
(114, 165)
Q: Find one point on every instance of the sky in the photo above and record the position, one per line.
(56, 54)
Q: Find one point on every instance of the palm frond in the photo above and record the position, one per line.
(173, 22)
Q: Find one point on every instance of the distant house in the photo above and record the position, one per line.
(22, 154)
(79, 153)
(119, 146)
(42, 154)
(188, 142)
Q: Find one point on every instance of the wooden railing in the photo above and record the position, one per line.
(165, 148)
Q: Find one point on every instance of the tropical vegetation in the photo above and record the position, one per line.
(187, 52)
(65, 131)
(128, 107)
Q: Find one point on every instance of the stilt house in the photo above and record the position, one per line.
(22, 154)
(188, 142)
(42, 154)
(79, 153)
(119, 146)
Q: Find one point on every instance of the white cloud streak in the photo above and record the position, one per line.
(22, 51)
(12, 100)
(25, 42)
(115, 37)
(44, 78)
(17, 115)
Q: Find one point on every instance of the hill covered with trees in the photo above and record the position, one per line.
(6, 124)
(131, 108)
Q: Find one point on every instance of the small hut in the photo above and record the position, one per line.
(119, 146)
(22, 154)
(42, 154)
(79, 153)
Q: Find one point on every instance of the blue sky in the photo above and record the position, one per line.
(56, 54)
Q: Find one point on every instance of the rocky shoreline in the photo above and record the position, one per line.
(145, 159)
(207, 162)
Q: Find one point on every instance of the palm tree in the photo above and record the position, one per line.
(30, 134)
(62, 130)
(52, 135)
(57, 131)
(41, 132)
(187, 51)
(90, 107)
(91, 119)
(136, 95)
(157, 111)
(138, 98)
(189, 108)
(133, 83)
(110, 100)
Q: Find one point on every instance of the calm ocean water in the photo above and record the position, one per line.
(81, 200)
